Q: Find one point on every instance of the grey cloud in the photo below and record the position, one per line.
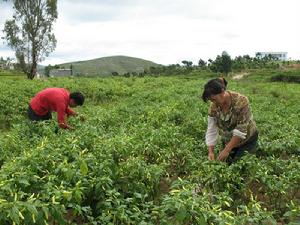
(230, 35)
(192, 10)
(5, 11)
(103, 2)
(88, 12)
(6, 52)
(94, 10)
(113, 10)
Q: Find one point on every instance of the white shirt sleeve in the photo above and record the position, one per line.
(212, 132)
(239, 134)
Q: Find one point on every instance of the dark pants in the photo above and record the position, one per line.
(250, 147)
(34, 117)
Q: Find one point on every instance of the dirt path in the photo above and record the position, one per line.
(239, 76)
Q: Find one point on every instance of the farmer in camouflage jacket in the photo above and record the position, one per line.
(230, 117)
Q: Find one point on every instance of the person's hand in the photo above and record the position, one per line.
(211, 155)
(223, 155)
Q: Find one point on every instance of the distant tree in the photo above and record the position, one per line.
(258, 55)
(187, 63)
(71, 68)
(173, 68)
(225, 53)
(127, 74)
(222, 64)
(146, 71)
(238, 63)
(247, 57)
(226, 64)
(115, 73)
(201, 63)
(29, 33)
(47, 70)
(154, 70)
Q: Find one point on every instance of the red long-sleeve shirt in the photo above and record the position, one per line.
(53, 99)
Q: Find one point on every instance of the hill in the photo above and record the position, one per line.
(108, 65)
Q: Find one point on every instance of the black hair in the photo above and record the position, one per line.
(77, 97)
(214, 87)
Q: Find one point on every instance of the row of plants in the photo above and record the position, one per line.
(140, 156)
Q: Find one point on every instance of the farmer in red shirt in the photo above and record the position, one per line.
(54, 99)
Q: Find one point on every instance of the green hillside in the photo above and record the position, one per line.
(11, 73)
(107, 65)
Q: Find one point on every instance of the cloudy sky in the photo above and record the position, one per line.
(169, 31)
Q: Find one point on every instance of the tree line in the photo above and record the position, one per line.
(222, 64)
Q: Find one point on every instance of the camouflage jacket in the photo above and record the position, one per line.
(238, 118)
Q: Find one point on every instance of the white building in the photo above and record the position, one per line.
(279, 55)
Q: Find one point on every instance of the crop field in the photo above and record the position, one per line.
(140, 155)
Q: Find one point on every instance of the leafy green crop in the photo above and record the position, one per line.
(140, 156)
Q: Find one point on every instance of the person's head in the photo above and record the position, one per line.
(76, 98)
(214, 90)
